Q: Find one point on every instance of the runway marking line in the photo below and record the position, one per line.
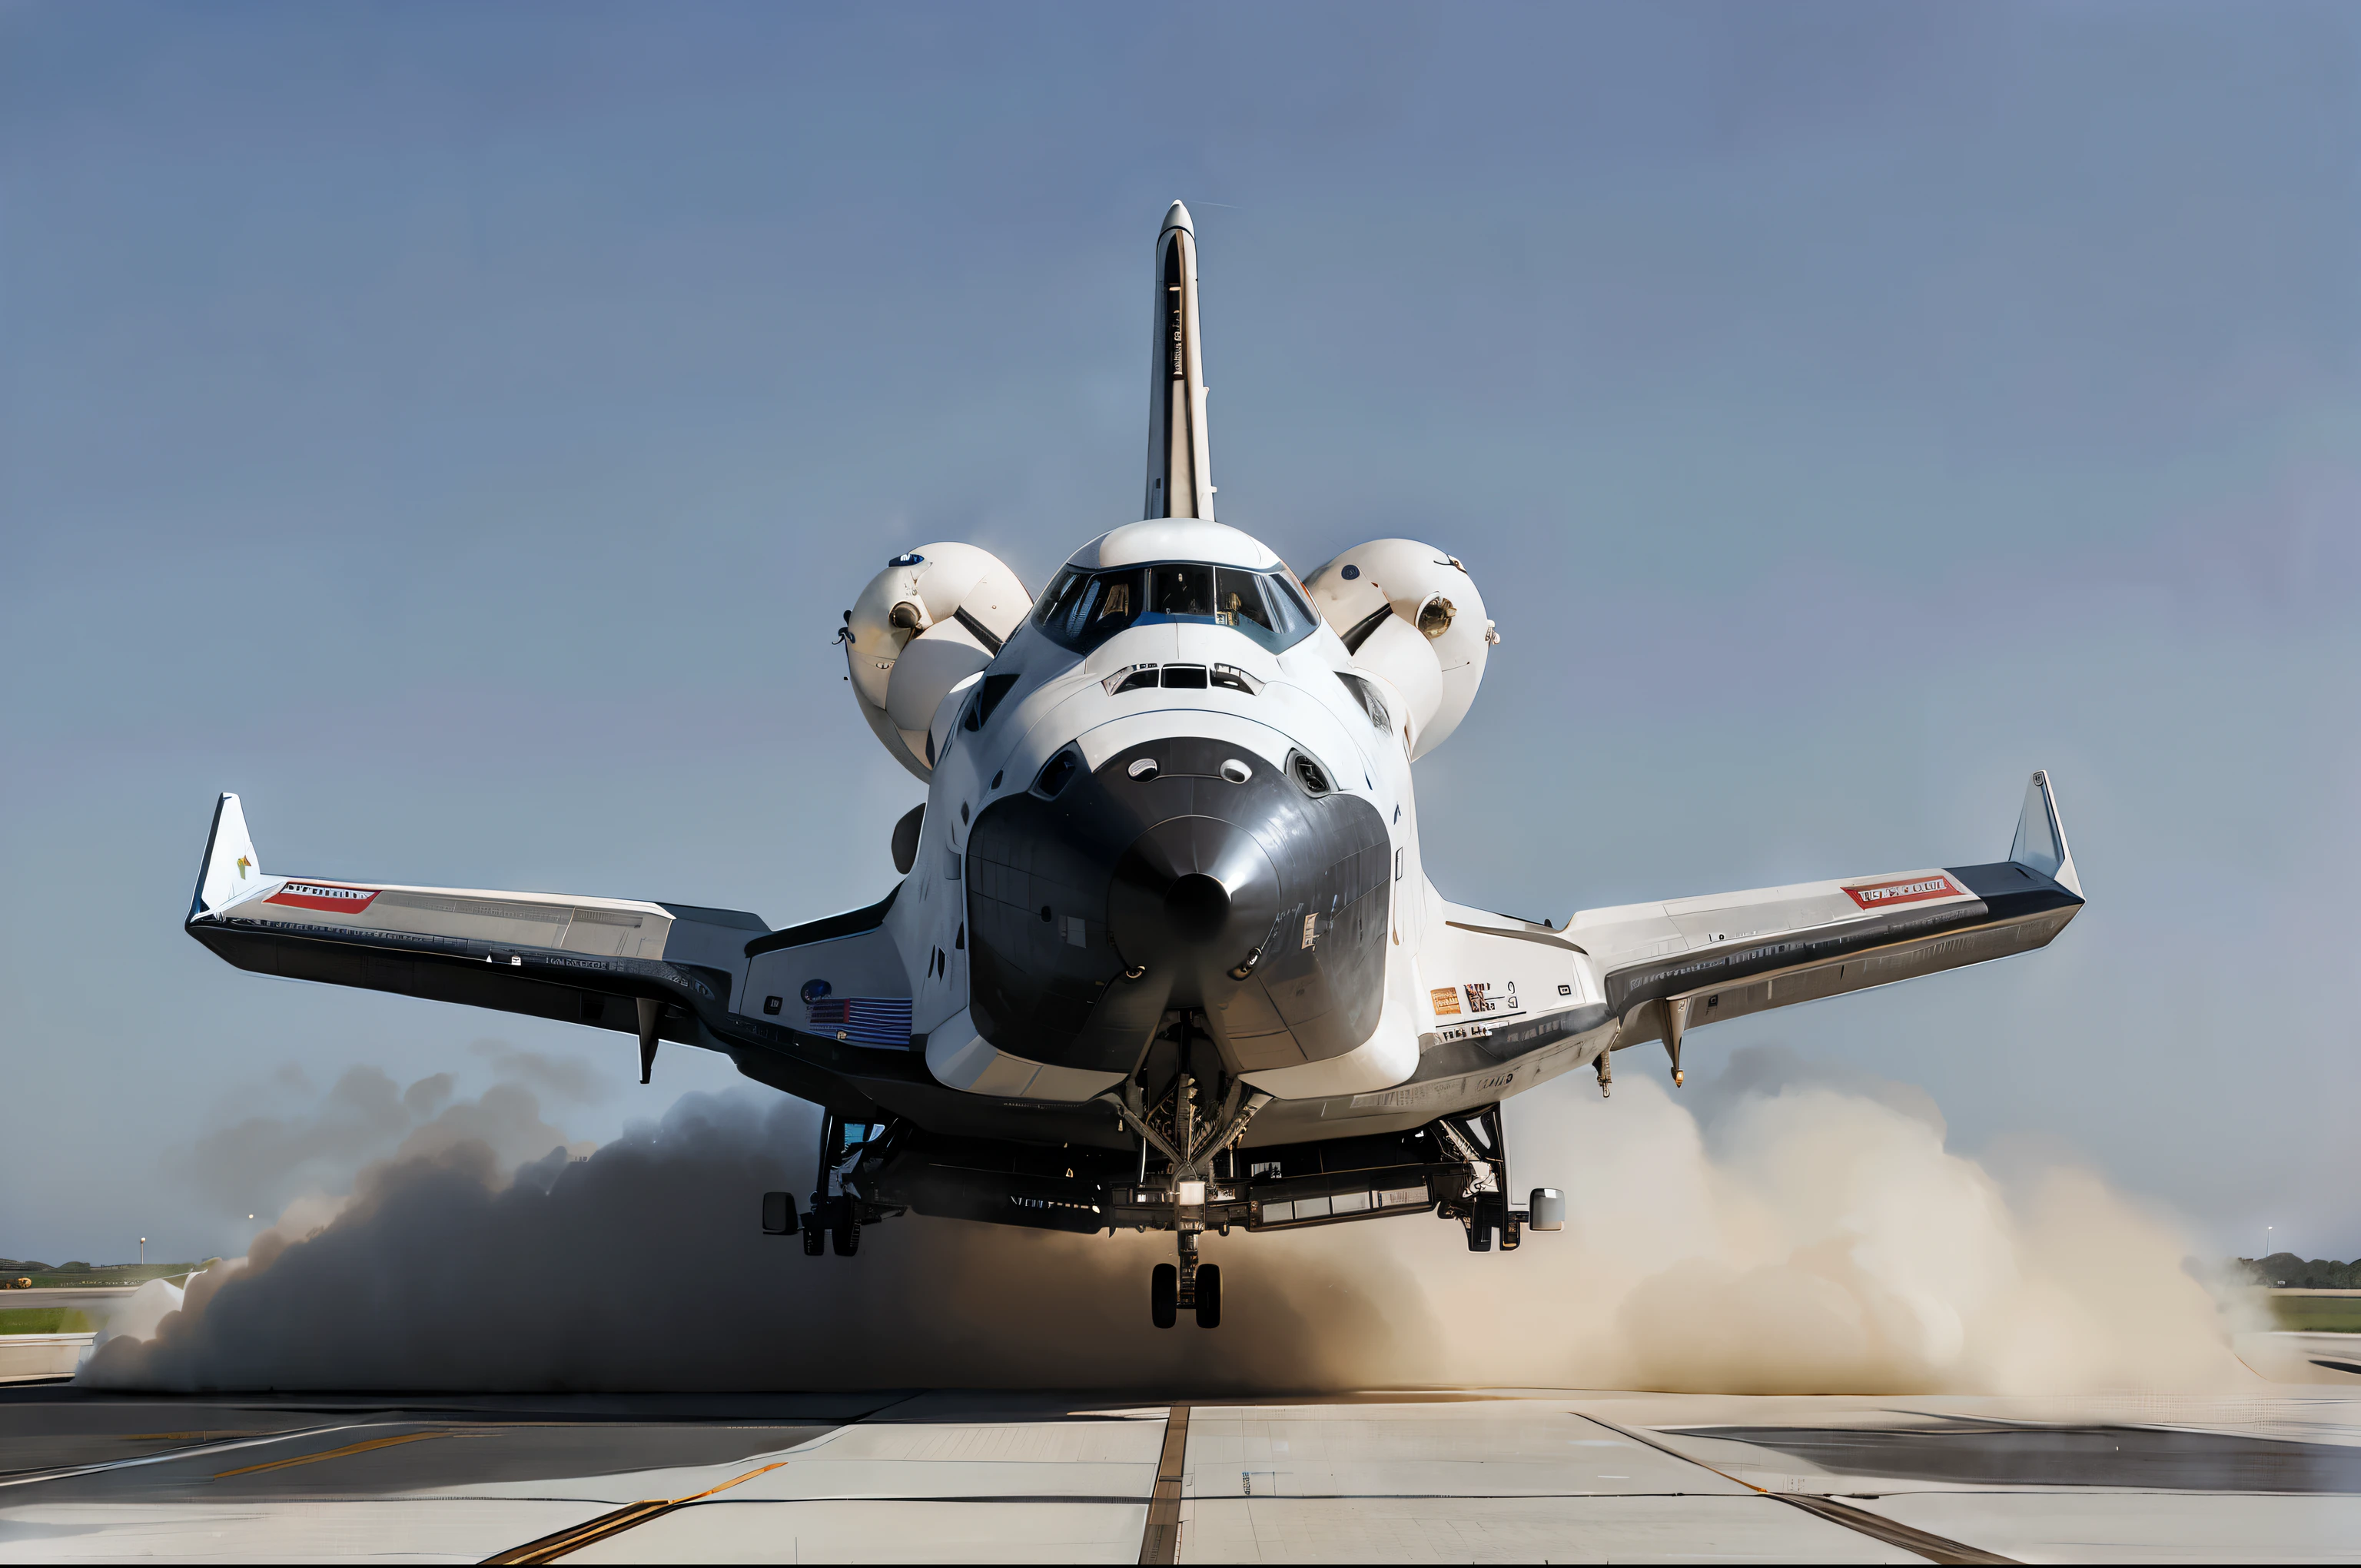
(550, 1548)
(1877, 1527)
(332, 1453)
(1162, 1540)
(174, 1455)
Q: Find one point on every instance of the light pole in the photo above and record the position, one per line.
(143, 1252)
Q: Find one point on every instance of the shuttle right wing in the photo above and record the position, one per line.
(1666, 968)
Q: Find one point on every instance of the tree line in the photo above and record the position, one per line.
(2284, 1269)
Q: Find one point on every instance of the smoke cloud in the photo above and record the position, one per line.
(1787, 1230)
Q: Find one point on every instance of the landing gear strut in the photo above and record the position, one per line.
(834, 1215)
(1485, 1211)
(1191, 1141)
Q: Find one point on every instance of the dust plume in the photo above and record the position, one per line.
(1797, 1232)
(285, 1144)
(1811, 1234)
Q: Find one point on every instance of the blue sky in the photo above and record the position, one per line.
(458, 429)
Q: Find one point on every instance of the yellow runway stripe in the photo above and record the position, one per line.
(550, 1548)
(332, 1453)
(733, 1481)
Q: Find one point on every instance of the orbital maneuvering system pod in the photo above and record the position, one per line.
(1165, 953)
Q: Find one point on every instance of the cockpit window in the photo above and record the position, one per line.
(1110, 606)
(1082, 609)
(1287, 596)
(1237, 599)
(1183, 589)
(1063, 595)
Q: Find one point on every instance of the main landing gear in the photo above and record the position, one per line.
(1481, 1143)
(834, 1215)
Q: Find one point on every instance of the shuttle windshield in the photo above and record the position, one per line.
(1082, 609)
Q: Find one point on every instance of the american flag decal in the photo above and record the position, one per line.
(863, 1019)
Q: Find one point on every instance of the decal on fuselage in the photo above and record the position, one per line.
(1913, 890)
(862, 1020)
(324, 896)
(1490, 996)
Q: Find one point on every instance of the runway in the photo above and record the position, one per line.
(95, 1300)
(907, 1475)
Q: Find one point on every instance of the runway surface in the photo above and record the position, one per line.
(918, 1476)
(94, 1300)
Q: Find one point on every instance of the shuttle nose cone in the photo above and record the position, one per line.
(1176, 216)
(1097, 907)
(1196, 907)
(1192, 899)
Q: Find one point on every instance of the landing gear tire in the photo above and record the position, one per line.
(1479, 1229)
(1209, 1296)
(1164, 1295)
(846, 1233)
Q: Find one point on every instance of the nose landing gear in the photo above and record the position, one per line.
(1192, 1142)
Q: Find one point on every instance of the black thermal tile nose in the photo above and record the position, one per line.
(1196, 907)
(1189, 898)
(1179, 885)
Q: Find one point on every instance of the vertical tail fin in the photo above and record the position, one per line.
(1179, 472)
(230, 866)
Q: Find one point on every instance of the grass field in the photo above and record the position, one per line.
(117, 1274)
(43, 1321)
(2318, 1315)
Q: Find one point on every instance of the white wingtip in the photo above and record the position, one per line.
(231, 867)
(2041, 841)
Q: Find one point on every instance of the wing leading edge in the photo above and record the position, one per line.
(1667, 967)
(662, 972)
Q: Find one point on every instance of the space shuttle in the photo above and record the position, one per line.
(1163, 951)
